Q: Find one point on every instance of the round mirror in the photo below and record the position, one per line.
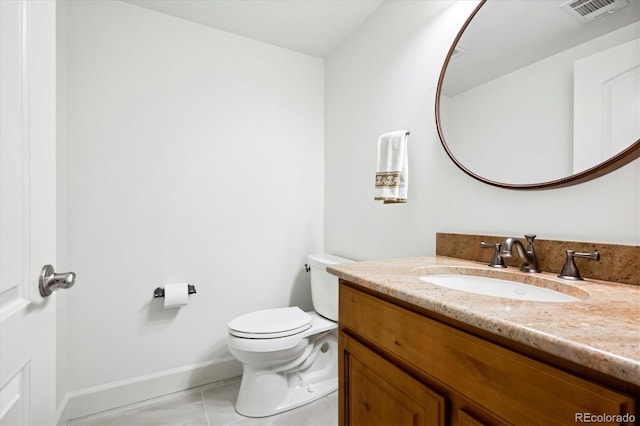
(538, 94)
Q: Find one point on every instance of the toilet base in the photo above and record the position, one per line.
(265, 392)
(296, 397)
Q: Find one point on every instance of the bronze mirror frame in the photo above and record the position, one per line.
(624, 157)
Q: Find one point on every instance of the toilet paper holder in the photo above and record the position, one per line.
(159, 292)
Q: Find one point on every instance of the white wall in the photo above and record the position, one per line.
(384, 78)
(192, 155)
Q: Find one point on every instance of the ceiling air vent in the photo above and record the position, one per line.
(589, 10)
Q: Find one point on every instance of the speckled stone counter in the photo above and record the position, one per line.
(601, 331)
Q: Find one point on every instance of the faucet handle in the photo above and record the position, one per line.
(496, 260)
(570, 270)
(530, 238)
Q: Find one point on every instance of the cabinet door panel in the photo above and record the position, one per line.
(379, 393)
(374, 401)
(466, 419)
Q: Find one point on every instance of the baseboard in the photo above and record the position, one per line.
(112, 395)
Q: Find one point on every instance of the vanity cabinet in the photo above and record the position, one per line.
(398, 366)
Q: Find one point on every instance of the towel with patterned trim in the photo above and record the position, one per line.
(392, 173)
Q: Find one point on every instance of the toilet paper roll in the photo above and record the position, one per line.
(176, 295)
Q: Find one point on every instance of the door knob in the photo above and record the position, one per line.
(51, 281)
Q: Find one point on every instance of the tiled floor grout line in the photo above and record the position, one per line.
(204, 407)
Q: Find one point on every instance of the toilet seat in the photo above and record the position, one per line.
(317, 323)
(271, 323)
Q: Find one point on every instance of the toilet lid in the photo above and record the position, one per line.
(270, 323)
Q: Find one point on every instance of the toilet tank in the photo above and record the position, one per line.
(324, 286)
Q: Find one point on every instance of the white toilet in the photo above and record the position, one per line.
(289, 357)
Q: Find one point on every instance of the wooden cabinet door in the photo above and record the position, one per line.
(375, 392)
(467, 419)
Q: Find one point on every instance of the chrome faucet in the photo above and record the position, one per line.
(528, 256)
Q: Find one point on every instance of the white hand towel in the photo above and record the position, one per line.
(392, 173)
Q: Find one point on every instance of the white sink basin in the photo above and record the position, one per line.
(497, 288)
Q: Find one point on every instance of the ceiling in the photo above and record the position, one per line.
(507, 35)
(313, 27)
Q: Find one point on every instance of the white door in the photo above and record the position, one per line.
(27, 211)
(606, 104)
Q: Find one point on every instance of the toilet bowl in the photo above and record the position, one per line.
(289, 357)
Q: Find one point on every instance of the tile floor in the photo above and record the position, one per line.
(210, 406)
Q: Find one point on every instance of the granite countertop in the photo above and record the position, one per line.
(600, 331)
